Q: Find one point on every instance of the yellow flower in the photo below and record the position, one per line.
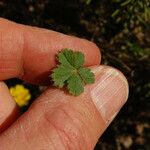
(21, 94)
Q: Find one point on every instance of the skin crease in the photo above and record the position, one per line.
(56, 120)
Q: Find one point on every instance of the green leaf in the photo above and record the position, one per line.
(86, 75)
(78, 59)
(66, 58)
(71, 72)
(60, 75)
(115, 13)
(75, 85)
(125, 3)
(70, 58)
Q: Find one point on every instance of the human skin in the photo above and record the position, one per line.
(56, 120)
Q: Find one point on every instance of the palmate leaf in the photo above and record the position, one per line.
(70, 58)
(60, 75)
(86, 75)
(71, 72)
(75, 85)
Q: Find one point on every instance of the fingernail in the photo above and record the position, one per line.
(110, 92)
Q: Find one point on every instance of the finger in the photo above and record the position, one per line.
(30, 53)
(61, 121)
(8, 109)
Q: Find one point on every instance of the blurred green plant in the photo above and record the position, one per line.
(86, 1)
(136, 50)
(132, 12)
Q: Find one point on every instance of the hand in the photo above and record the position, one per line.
(55, 120)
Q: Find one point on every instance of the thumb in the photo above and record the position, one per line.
(60, 121)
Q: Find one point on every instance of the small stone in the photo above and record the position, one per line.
(126, 141)
(31, 8)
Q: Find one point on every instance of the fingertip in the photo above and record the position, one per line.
(110, 92)
(28, 43)
(93, 53)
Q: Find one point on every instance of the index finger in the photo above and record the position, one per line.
(29, 52)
